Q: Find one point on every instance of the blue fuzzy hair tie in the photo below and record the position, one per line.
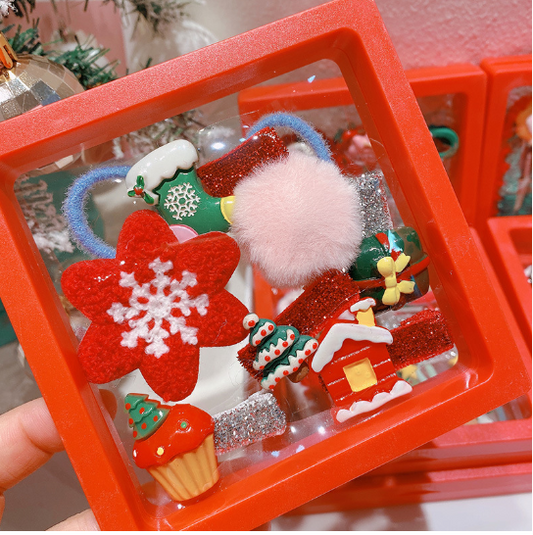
(74, 210)
(303, 129)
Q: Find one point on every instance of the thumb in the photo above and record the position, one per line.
(83, 521)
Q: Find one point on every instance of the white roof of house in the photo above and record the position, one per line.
(340, 332)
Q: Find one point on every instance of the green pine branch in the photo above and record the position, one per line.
(158, 13)
(82, 62)
(23, 8)
(25, 41)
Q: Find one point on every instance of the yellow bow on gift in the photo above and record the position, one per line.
(389, 269)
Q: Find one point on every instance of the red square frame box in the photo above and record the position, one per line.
(490, 372)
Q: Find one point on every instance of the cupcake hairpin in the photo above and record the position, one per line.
(179, 444)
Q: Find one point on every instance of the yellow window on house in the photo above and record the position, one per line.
(360, 375)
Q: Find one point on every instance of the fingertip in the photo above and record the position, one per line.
(84, 521)
(37, 423)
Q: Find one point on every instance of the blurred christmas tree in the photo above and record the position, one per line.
(157, 13)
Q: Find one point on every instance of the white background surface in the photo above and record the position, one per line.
(424, 32)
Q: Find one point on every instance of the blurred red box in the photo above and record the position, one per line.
(506, 238)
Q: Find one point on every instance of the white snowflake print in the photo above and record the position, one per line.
(150, 314)
(181, 201)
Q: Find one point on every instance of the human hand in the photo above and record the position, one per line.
(28, 438)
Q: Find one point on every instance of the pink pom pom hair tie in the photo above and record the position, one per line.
(297, 218)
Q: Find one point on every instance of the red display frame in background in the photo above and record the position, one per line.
(506, 238)
(503, 75)
(351, 33)
(478, 445)
(466, 81)
(379, 490)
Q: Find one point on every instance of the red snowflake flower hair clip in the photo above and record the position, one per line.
(155, 305)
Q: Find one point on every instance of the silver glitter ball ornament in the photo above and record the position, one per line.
(34, 81)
